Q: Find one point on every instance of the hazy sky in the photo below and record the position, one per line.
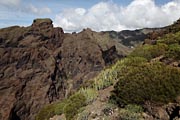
(74, 15)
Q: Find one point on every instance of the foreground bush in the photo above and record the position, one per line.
(173, 51)
(68, 106)
(46, 113)
(131, 112)
(147, 82)
(75, 102)
(59, 107)
(89, 93)
(150, 51)
(104, 79)
(110, 75)
(171, 38)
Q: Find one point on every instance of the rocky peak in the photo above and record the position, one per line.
(39, 33)
(42, 23)
(87, 30)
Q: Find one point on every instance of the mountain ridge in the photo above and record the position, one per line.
(41, 64)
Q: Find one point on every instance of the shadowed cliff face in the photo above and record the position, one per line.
(38, 61)
(27, 65)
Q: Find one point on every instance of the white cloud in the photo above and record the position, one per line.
(10, 2)
(19, 5)
(110, 16)
(38, 11)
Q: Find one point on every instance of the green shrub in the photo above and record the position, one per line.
(68, 106)
(106, 78)
(89, 93)
(129, 62)
(173, 51)
(59, 107)
(131, 112)
(171, 38)
(147, 82)
(128, 115)
(110, 75)
(75, 102)
(134, 108)
(83, 115)
(150, 51)
(46, 112)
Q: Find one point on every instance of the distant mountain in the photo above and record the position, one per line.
(158, 32)
(129, 38)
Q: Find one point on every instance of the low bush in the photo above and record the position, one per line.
(46, 112)
(171, 38)
(59, 107)
(147, 82)
(89, 93)
(173, 51)
(134, 108)
(150, 51)
(83, 115)
(68, 106)
(131, 112)
(110, 75)
(106, 78)
(74, 103)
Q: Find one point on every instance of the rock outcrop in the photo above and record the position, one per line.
(38, 64)
(170, 111)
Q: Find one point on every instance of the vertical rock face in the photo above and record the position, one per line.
(27, 65)
(37, 61)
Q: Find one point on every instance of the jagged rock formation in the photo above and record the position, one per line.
(39, 62)
(27, 65)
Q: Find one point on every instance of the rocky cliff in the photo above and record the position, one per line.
(41, 64)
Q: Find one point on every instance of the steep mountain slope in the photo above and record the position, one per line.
(28, 68)
(41, 64)
(143, 86)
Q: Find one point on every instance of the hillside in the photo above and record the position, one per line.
(143, 86)
(89, 75)
(41, 64)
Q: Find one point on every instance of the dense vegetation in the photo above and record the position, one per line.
(131, 112)
(150, 51)
(70, 107)
(153, 82)
(150, 81)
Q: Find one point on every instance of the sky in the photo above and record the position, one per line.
(99, 15)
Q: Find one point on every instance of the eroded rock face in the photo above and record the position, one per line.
(27, 63)
(170, 111)
(37, 61)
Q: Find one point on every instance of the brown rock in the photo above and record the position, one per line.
(36, 62)
(170, 111)
(173, 110)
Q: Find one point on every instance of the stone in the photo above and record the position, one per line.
(38, 61)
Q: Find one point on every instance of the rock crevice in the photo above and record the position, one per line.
(38, 64)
